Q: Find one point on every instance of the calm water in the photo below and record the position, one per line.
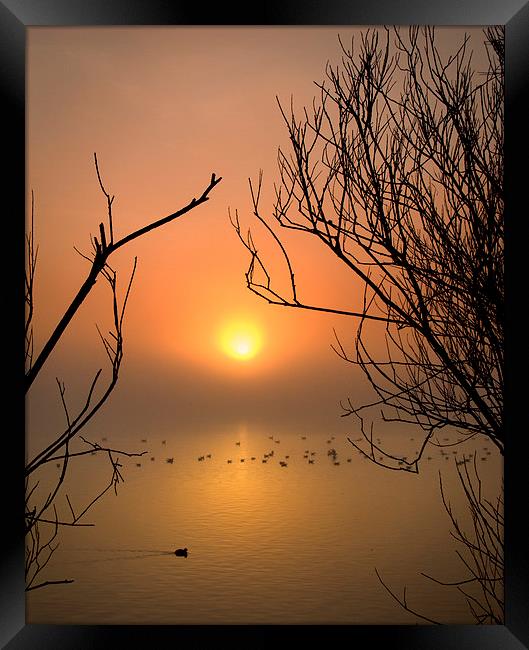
(267, 544)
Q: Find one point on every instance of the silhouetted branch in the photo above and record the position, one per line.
(103, 250)
(403, 602)
(482, 556)
(115, 354)
(41, 516)
(49, 582)
(482, 542)
(31, 263)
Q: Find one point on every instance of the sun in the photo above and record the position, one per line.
(241, 340)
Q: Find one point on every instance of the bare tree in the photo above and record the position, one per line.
(43, 518)
(397, 169)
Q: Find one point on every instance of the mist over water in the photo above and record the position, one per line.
(267, 543)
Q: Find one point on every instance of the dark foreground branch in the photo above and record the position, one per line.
(103, 250)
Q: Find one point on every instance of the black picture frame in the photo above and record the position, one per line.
(15, 17)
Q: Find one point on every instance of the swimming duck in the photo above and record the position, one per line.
(181, 552)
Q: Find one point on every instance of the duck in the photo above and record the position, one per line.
(181, 552)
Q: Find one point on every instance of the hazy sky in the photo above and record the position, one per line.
(164, 108)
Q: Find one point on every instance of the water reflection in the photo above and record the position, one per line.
(287, 536)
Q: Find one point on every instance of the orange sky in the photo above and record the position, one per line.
(164, 108)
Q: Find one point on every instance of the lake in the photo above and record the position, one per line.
(267, 544)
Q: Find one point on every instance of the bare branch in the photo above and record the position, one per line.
(42, 520)
(102, 253)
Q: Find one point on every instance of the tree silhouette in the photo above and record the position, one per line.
(397, 170)
(43, 520)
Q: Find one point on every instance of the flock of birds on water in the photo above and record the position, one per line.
(310, 456)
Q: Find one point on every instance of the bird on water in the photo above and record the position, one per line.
(181, 552)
